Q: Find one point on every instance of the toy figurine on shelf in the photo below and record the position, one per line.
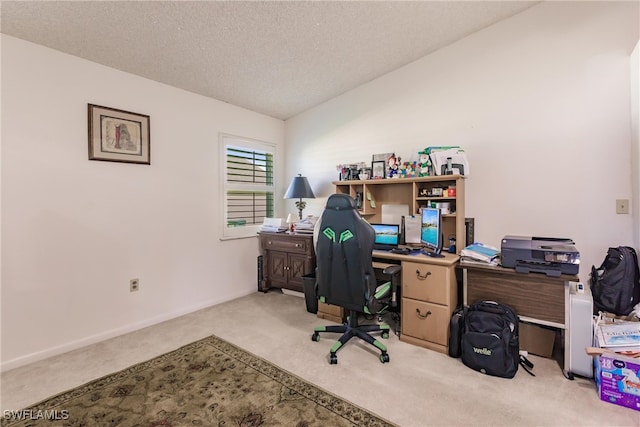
(424, 164)
(408, 169)
(392, 172)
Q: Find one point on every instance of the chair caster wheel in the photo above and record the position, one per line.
(315, 337)
(384, 358)
(385, 335)
(333, 359)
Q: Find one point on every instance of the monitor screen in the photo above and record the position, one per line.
(431, 231)
(387, 236)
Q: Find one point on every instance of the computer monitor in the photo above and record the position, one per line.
(387, 236)
(431, 232)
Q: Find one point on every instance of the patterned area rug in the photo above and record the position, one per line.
(207, 383)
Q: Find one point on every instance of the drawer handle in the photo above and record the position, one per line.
(269, 242)
(421, 277)
(298, 245)
(421, 315)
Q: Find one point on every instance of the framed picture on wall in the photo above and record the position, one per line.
(118, 135)
(378, 169)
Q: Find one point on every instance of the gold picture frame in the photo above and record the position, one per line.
(118, 135)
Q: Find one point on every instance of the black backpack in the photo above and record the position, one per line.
(616, 284)
(456, 327)
(490, 341)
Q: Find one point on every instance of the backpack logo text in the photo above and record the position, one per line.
(484, 351)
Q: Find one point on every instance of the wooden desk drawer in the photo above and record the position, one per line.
(287, 244)
(425, 321)
(425, 282)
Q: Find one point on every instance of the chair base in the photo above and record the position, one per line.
(352, 329)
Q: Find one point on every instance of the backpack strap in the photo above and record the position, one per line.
(527, 365)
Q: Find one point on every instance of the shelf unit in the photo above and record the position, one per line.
(371, 194)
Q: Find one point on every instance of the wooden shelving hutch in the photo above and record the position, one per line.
(373, 193)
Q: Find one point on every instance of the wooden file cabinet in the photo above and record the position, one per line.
(429, 296)
(285, 259)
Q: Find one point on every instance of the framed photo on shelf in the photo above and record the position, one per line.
(118, 135)
(382, 157)
(378, 169)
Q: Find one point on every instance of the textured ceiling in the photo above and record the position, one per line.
(276, 58)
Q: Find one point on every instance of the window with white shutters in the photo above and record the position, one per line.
(248, 185)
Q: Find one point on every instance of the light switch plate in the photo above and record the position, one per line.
(622, 206)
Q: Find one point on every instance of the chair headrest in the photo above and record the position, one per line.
(339, 202)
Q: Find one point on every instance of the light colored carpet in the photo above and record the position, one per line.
(418, 387)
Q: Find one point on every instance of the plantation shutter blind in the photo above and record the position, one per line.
(249, 186)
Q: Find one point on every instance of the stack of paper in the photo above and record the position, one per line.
(441, 156)
(619, 335)
(275, 225)
(306, 226)
(478, 253)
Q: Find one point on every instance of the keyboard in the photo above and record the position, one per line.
(401, 251)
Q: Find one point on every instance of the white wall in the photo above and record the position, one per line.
(540, 103)
(634, 80)
(74, 231)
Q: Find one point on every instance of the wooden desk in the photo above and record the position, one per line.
(429, 295)
(536, 297)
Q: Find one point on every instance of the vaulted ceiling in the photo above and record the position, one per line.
(275, 58)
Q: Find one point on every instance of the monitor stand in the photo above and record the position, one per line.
(432, 254)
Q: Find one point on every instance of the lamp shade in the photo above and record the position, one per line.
(292, 218)
(299, 189)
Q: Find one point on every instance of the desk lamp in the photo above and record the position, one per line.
(291, 220)
(299, 189)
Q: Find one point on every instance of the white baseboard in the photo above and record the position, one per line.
(83, 342)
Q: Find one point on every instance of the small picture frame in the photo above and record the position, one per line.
(118, 135)
(345, 174)
(378, 169)
(381, 157)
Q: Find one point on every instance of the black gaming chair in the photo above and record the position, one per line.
(345, 275)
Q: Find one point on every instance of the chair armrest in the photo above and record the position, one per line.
(394, 272)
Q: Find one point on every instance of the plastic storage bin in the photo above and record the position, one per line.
(309, 285)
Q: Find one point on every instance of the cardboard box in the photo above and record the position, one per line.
(536, 339)
(330, 312)
(617, 380)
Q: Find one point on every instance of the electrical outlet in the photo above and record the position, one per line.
(622, 206)
(134, 285)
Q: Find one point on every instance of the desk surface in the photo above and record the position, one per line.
(447, 260)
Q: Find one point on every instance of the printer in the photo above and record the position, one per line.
(549, 255)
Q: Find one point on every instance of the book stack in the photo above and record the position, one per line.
(306, 226)
(479, 253)
(619, 336)
(274, 225)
